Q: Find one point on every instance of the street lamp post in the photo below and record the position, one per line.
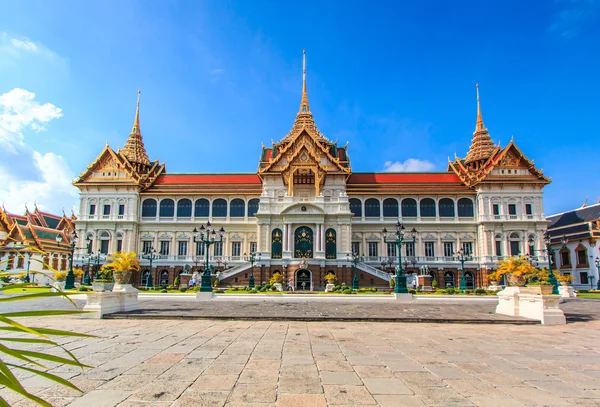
(252, 260)
(355, 259)
(70, 280)
(462, 257)
(86, 274)
(597, 261)
(400, 241)
(550, 251)
(207, 236)
(150, 255)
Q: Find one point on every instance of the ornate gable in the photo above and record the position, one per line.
(304, 154)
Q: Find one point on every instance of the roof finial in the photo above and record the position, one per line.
(304, 108)
(136, 123)
(585, 202)
(479, 124)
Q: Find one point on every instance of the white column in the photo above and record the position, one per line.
(291, 237)
(285, 237)
(319, 227)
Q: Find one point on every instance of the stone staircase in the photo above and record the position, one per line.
(374, 271)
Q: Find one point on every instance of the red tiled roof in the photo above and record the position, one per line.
(178, 179)
(403, 178)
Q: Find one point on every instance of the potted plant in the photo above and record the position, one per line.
(517, 270)
(59, 280)
(538, 283)
(123, 264)
(331, 280)
(564, 279)
(276, 280)
(103, 280)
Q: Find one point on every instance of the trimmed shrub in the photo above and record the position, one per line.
(347, 291)
(450, 290)
(338, 287)
(468, 292)
(434, 284)
(374, 289)
(183, 289)
(252, 291)
(164, 291)
(412, 291)
(480, 291)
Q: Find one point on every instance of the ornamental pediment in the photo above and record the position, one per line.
(303, 209)
(373, 236)
(467, 237)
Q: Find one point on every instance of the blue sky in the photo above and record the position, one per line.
(394, 79)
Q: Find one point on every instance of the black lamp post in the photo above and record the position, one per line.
(401, 287)
(70, 280)
(550, 251)
(151, 255)
(86, 274)
(207, 236)
(462, 257)
(252, 260)
(355, 259)
(597, 261)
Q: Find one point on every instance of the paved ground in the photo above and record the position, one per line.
(264, 363)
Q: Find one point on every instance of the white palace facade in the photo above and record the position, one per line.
(304, 211)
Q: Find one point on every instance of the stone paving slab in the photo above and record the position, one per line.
(231, 363)
(473, 312)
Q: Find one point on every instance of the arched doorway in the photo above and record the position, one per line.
(303, 280)
(470, 280)
(449, 279)
(303, 243)
(164, 278)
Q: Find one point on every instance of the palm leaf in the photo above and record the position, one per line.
(17, 388)
(15, 324)
(34, 295)
(47, 375)
(18, 354)
(48, 331)
(52, 358)
(43, 313)
(3, 403)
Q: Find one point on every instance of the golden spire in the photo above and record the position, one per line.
(481, 144)
(134, 148)
(304, 108)
(479, 123)
(136, 122)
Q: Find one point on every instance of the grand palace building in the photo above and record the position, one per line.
(304, 212)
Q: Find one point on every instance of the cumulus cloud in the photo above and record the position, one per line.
(410, 165)
(27, 175)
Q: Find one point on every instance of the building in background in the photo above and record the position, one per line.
(304, 211)
(29, 245)
(575, 238)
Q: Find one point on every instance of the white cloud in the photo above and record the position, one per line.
(410, 165)
(18, 111)
(573, 15)
(25, 44)
(27, 175)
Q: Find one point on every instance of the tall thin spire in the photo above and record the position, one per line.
(481, 144)
(304, 108)
(479, 124)
(134, 148)
(136, 122)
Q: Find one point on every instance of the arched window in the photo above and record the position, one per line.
(470, 280)
(446, 208)
(448, 279)
(465, 208)
(390, 207)
(253, 206)
(149, 208)
(167, 208)
(427, 207)
(303, 243)
(164, 278)
(372, 208)
(356, 207)
(184, 208)
(409, 208)
(237, 208)
(276, 244)
(330, 244)
(219, 208)
(201, 207)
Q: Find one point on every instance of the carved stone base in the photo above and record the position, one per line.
(329, 288)
(108, 302)
(404, 297)
(278, 286)
(542, 307)
(205, 296)
(566, 291)
(508, 301)
(124, 288)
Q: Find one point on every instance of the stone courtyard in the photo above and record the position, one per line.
(231, 363)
